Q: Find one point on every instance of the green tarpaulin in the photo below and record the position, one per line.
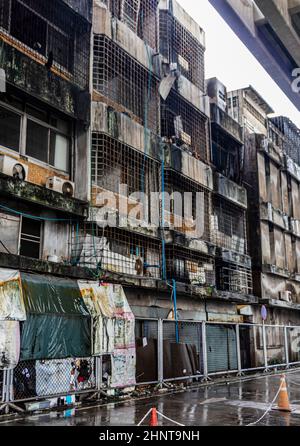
(58, 323)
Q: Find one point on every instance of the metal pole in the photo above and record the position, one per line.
(238, 350)
(160, 355)
(4, 386)
(286, 347)
(204, 353)
(265, 347)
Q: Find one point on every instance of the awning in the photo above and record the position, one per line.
(58, 322)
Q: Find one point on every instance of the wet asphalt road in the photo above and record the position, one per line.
(233, 404)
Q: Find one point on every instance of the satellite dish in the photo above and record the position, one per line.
(19, 172)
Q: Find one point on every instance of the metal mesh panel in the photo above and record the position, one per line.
(293, 334)
(174, 183)
(49, 30)
(116, 251)
(256, 343)
(139, 15)
(195, 125)
(120, 78)
(233, 278)
(37, 379)
(182, 359)
(275, 345)
(114, 163)
(178, 45)
(189, 266)
(229, 226)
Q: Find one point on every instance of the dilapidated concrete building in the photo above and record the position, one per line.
(125, 175)
(270, 175)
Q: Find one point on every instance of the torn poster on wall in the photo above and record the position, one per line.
(113, 329)
(12, 311)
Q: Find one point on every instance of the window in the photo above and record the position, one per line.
(47, 144)
(48, 138)
(30, 242)
(10, 124)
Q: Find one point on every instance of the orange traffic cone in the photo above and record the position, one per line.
(283, 399)
(153, 419)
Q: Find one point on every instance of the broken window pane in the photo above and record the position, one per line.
(9, 129)
(30, 238)
(37, 141)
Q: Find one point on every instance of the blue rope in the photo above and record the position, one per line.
(33, 217)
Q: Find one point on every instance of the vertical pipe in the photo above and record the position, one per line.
(265, 346)
(238, 348)
(286, 347)
(160, 355)
(175, 310)
(204, 351)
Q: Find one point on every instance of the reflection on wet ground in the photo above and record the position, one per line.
(233, 404)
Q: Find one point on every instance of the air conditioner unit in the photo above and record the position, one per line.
(13, 168)
(286, 296)
(62, 186)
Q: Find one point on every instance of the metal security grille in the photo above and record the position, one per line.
(51, 30)
(120, 78)
(189, 266)
(200, 202)
(234, 278)
(34, 379)
(139, 15)
(221, 348)
(195, 126)
(291, 134)
(114, 163)
(229, 226)
(113, 250)
(178, 45)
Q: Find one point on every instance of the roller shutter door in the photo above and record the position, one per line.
(221, 348)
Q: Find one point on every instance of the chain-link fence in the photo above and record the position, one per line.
(40, 379)
(166, 351)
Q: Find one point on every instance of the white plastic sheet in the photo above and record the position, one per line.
(113, 329)
(9, 344)
(11, 299)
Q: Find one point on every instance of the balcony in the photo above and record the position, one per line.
(231, 191)
(228, 124)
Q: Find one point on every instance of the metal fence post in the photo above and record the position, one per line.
(160, 353)
(286, 347)
(204, 352)
(265, 348)
(238, 350)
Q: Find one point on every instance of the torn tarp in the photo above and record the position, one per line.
(11, 299)
(9, 344)
(12, 311)
(58, 323)
(113, 329)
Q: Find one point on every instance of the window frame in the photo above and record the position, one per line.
(25, 116)
(41, 239)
